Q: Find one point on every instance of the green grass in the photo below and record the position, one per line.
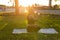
(49, 20)
(8, 23)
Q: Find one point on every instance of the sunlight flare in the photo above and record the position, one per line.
(26, 3)
(26, 11)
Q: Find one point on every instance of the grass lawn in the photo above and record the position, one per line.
(8, 23)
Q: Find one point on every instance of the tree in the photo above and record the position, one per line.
(50, 3)
(16, 7)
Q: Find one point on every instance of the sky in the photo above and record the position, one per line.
(28, 2)
(6, 2)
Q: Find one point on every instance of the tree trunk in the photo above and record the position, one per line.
(16, 7)
(50, 3)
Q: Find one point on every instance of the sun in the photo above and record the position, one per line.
(25, 3)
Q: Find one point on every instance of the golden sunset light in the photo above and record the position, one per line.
(28, 2)
(31, 2)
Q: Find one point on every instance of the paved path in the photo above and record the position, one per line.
(49, 11)
(41, 11)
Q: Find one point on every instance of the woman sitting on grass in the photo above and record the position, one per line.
(32, 19)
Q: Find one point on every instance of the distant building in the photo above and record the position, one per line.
(2, 7)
